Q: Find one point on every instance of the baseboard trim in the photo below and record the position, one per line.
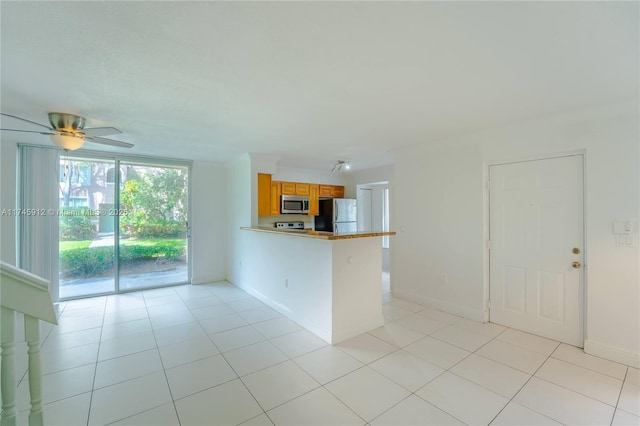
(356, 329)
(473, 314)
(612, 353)
(322, 333)
(206, 280)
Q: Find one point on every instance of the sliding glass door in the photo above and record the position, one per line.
(153, 226)
(122, 225)
(86, 245)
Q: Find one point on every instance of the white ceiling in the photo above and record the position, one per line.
(312, 82)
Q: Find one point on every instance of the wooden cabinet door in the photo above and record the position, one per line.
(288, 188)
(302, 189)
(324, 191)
(264, 194)
(275, 197)
(337, 191)
(314, 205)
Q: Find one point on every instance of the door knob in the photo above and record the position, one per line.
(576, 264)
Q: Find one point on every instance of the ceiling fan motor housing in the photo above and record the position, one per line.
(66, 122)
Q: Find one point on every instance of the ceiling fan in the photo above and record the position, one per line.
(68, 132)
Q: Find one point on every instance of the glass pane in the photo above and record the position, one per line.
(86, 237)
(153, 226)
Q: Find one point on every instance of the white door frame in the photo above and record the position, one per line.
(487, 219)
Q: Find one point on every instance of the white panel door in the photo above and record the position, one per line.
(536, 228)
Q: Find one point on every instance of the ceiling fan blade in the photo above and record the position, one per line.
(101, 131)
(111, 142)
(24, 119)
(28, 131)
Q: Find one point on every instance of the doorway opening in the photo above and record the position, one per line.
(373, 216)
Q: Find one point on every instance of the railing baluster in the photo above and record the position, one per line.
(27, 293)
(8, 344)
(32, 336)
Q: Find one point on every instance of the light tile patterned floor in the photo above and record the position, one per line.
(214, 355)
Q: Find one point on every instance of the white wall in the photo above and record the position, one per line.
(332, 288)
(291, 174)
(209, 222)
(291, 274)
(368, 176)
(8, 152)
(239, 212)
(440, 210)
(437, 254)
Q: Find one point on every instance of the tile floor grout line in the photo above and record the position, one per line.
(95, 369)
(520, 390)
(343, 402)
(562, 361)
(588, 368)
(164, 370)
(506, 365)
(483, 387)
(433, 405)
(626, 373)
(253, 396)
(238, 377)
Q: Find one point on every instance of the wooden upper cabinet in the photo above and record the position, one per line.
(314, 204)
(288, 188)
(337, 191)
(294, 188)
(302, 189)
(270, 192)
(264, 194)
(331, 191)
(276, 191)
(325, 190)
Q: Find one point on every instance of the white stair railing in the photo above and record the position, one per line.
(21, 291)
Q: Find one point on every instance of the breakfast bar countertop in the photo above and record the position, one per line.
(322, 235)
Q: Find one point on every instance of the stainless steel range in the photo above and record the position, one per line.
(289, 225)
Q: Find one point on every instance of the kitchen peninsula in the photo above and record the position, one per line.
(330, 284)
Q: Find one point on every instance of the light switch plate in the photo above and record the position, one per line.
(623, 227)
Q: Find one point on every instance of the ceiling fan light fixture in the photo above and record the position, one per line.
(68, 142)
(340, 164)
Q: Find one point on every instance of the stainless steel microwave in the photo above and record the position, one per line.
(294, 204)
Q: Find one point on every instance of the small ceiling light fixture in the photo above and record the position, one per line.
(68, 141)
(340, 164)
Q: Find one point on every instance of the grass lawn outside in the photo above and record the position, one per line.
(78, 259)
(180, 242)
(68, 245)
